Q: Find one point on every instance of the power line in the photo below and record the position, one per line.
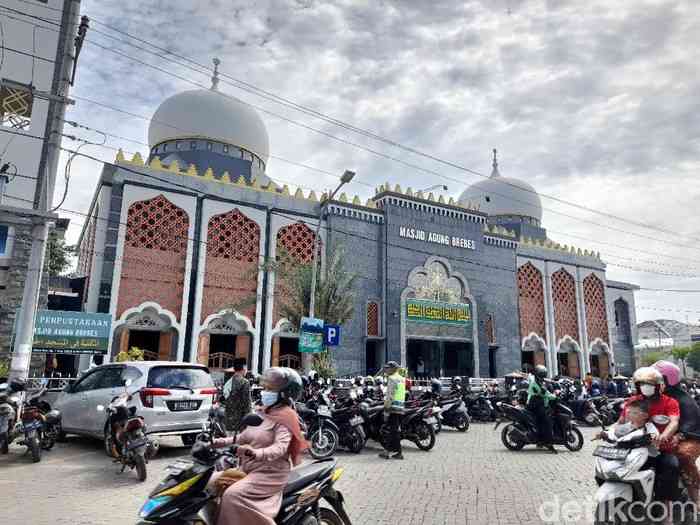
(413, 166)
(246, 86)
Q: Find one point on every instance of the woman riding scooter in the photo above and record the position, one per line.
(665, 414)
(687, 440)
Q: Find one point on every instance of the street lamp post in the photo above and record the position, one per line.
(344, 179)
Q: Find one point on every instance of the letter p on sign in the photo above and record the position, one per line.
(331, 334)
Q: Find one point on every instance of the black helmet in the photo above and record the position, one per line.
(435, 386)
(283, 380)
(456, 380)
(541, 371)
(359, 380)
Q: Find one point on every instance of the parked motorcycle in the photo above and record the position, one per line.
(26, 418)
(322, 431)
(480, 407)
(417, 425)
(126, 439)
(216, 422)
(451, 411)
(522, 429)
(183, 498)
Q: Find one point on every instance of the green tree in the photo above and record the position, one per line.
(58, 255)
(693, 358)
(681, 354)
(652, 357)
(335, 295)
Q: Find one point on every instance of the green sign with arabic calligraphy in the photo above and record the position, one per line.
(62, 332)
(424, 311)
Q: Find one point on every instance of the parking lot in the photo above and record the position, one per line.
(466, 479)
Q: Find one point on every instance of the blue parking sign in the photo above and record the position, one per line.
(331, 334)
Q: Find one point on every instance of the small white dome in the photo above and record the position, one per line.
(209, 114)
(499, 195)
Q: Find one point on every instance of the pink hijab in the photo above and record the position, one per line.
(287, 417)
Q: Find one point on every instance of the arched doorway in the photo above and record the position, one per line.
(225, 337)
(285, 346)
(151, 329)
(534, 352)
(569, 358)
(600, 359)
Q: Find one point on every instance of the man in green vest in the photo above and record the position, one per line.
(394, 399)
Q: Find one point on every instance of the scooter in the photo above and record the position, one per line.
(183, 497)
(323, 432)
(125, 438)
(522, 429)
(30, 421)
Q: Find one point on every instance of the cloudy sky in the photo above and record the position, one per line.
(593, 102)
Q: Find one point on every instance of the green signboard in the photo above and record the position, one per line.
(311, 335)
(423, 311)
(62, 332)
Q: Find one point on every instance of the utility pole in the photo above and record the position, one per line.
(67, 54)
(344, 179)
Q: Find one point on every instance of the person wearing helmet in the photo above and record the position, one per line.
(538, 399)
(687, 440)
(394, 400)
(665, 414)
(267, 453)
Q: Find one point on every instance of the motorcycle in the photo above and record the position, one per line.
(522, 429)
(346, 416)
(183, 497)
(31, 421)
(450, 411)
(322, 432)
(417, 425)
(480, 408)
(126, 439)
(216, 422)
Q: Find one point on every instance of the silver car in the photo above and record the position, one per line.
(173, 398)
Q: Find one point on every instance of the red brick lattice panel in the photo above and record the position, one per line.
(233, 248)
(296, 243)
(490, 329)
(596, 314)
(564, 300)
(531, 301)
(153, 266)
(373, 319)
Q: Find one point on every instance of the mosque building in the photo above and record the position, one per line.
(472, 287)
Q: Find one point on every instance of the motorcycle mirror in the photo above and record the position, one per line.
(100, 408)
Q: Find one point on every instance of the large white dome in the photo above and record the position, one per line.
(499, 195)
(208, 114)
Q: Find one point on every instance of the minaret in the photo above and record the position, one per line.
(215, 76)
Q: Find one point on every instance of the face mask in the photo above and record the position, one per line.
(269, 398)
(647, 390)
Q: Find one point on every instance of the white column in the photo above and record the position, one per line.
(550, 319)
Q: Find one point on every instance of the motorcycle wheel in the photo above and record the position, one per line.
(60, 434)
(140, 463)
(323, 443)
(47, 440)
(574, 440)
(4, 444)
(35, 449)
(356, 442)
(510, 442)
(425, 435)
(108, 446)
(189, 439)
(329, 517)
(462, 423)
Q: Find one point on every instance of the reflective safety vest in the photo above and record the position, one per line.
(399, 390)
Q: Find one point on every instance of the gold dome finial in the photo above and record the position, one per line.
(215, 76)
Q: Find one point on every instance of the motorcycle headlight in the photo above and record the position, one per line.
(152, 504)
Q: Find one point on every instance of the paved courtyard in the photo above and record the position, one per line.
(466, 479)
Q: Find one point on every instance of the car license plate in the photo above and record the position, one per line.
(431, 420)
(357, 420)
(323, 410)
(183, 406)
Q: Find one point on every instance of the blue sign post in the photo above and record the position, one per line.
(331, 334)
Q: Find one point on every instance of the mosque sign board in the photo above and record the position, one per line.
(60, 332)
(423, 311)
(311, 335)
(408, 232)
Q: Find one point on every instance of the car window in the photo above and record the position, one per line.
(89, 382)
(179, 377)
(132, 373)
(112, 377)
